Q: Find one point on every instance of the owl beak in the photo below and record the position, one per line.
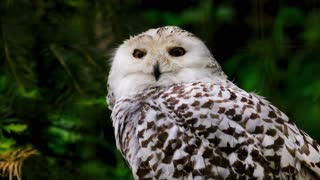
(156, 71)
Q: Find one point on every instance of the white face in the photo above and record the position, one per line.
(160, 57)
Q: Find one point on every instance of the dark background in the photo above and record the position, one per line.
(54, 61)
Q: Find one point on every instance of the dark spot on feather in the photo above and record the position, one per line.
(178, 173)
(189, 149)
(207, 104)
(140, 133)
(159, 144)
(196, 103)
(203, 116)
(267, 120)
(180, 161)
(201, 127)
(279, 120)
(208, 153)
(250, 102)
(141, 172)
(286, 133)
(188, 114)
(272, 114)
(165, 95)
(188, 167)
(163, 136)
(259, 130)
(239, 167)
(250, 141)
(198, 94)
(288, 169)
(214, 141)
(271, 132)
(212, 129)
(254, 116)
(183, 107)
(249, 171)
(146, 142)
(232, 96)
(230, 112)
(192, 121)
(279, 141)
(203, 133)
(243, 99)
(150, 125)
(229, 131)
(258, 108)
(221, 110)
(219, 161)
(305, 149)
(167, 159)
(160, 116)
(237, 117)
(315, 145)
(242, 154)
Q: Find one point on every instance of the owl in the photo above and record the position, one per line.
(176, 116)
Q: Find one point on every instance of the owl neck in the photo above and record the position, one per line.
(133, 84)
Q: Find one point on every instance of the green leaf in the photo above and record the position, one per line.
(92, 101)
(17, 128)
(34, 93)
(64, 135)
(6, 144)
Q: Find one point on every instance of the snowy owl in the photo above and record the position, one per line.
(176, 116)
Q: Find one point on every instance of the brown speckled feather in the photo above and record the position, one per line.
(203, 130)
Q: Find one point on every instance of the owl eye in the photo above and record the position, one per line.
(177, 51)
(137, 53)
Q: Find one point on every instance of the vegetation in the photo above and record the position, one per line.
(54, 121)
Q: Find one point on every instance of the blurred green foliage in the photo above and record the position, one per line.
(55, 60)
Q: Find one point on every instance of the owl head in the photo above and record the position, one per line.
(160, 57)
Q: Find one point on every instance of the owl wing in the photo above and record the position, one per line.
(212, 130)
(156, 145)
(230, 117)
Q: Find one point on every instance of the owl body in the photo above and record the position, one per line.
(204, 130)
(178, 117)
